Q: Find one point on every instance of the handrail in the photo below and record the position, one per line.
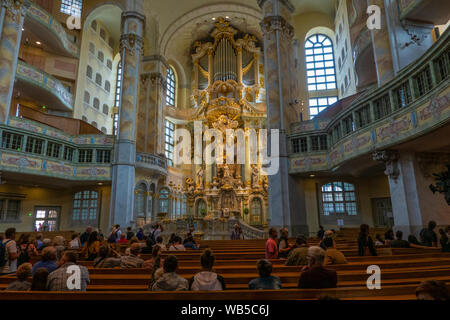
(44, 18)
(46, 81)
(250, 232)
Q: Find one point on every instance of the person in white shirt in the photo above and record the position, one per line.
(75, 243)
(177, 245)
(11, 254)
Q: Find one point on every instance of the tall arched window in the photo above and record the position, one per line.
(164, 201)
(171, 85)
(169, 143)
(117, 97)
(321, 71)
(89, 72)
(339, 197)
(85, 206)
(256, 210)
(96, 103)
(139, 200)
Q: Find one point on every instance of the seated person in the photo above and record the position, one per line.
(327, 234)
(169, 280)
(444, 241)
(265, 280)
(107, 258)
(21, 284)
(315, 275)
(159, 242)
(148, 249)
(40, 279)
(48, 261)
(399, 242)
(130, 242)
(132, 260)
(75, 243)
(58, 279)
(189, 242)
(414, 243)
(433, 290)
(333, 256)
(378, 240)
(123, 238)
(156, 254)
(176, 245)
(297, 257)
(389, 236)
(207, 280)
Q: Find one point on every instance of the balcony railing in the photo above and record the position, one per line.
(151, 162)
(43, 80)
(31, 148)
(416, 101)
(45, 19)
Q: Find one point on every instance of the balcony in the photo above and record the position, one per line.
(150, 162)
(40, 86)
(33, 149)
(414, 104)
(43, 25)
(432, 12)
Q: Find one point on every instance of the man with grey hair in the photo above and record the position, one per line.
(48, 260)
(315, 276)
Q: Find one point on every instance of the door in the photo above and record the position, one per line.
(382, 212)
(46, 218)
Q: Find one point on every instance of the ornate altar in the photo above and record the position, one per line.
(227, 94)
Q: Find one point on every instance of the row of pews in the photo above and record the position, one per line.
(402, 270)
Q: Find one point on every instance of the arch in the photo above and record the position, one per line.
(101, 56)
(94, 25)
(94, 124)
(105, 109)
(140, 196)
(96, 103)
(107, 86)
(87, 97)
(98, 79)
(89, 72)
(104, 130)
(164, 194)
(171, 88)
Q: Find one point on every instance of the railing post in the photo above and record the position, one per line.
(434, 79)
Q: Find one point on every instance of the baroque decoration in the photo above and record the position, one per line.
(228, 95)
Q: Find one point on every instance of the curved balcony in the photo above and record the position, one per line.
(44, 25)
(40, 86)
(33, 149)
(434, 12)
(410, 106)
(150, 162)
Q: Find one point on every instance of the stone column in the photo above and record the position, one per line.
(150, 122)
(381, 47)
(413, 203)
(123, 167)
(286, 202)
(12, 16)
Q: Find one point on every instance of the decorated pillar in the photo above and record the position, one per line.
(123, 167)
(12, 16)
(410, 175)
(150, 122)
(286, 200)
(381, 47)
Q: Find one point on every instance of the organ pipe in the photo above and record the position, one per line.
(225, 61)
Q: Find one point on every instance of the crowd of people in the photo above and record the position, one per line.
(56, 256)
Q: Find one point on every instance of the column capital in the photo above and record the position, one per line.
(16, 7)
(134, 15)
(390, 159)
(131, 42)
(286, 3)
(277, 23)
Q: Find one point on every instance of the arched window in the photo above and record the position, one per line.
(101, 56)
(103, 34)
(339, 197)
(104, 130)
(87, 97)
(105, 109)
(201, 208)
(94, 25)
(91, 48)
(171, 85)
(321, 72)
(98, 79)
(72, 7)
(109, 64)
(139, 200)
(111, 42)
(107, 86)
(89, 72)
(83, 118)
(94, 124)
(117, 97)
(85, 206)
(169, 144)
(164, 201)
(256, 206)
(96, 103)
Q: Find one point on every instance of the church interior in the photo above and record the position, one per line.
(93, 94)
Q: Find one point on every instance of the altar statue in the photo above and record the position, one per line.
(200, 173)
(254, 176)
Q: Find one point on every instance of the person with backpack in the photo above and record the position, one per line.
(8, 252)
(27, 250)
